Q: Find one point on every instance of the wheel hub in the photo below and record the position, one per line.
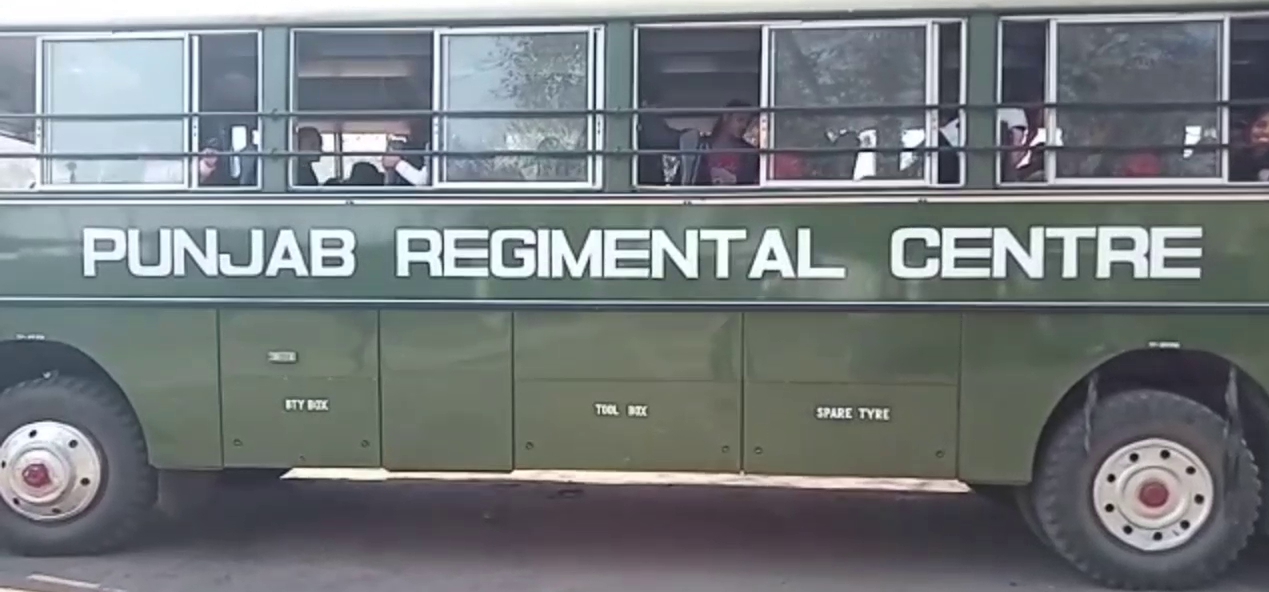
(49, 471)
(1153, 495)
(36, 475)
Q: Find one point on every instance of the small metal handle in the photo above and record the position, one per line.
(283, 357)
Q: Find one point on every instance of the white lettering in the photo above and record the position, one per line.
(956, 254)
(1161, 252)
(117, 240)
(452, 254)
(136, 249)
(306, 405)
(772, 255)
(993, 252)
(255, 258)
(607, 410)
(899, 267)
(614, 254)
(407, 256)
(722, 240)
(1006, 247)
(204, 257)
(686, 260)
(342, 252)
(578, 264)
(1070, 248)
(286, 256)
(525, 257)
(1134, 254)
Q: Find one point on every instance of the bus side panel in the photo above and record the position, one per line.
(656, 391)
(858, 394)
(163, 359)
(1019, 365)
(300, 387)
(446, 390)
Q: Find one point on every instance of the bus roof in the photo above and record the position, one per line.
(75, 14)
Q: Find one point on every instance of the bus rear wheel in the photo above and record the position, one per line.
(74, 473)
(1148, 504)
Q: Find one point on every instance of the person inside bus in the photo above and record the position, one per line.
(364, 174)
(725, 160)
(213, 167)
(1249, 163)
(307, 139)
(655, 133)
(408, 169)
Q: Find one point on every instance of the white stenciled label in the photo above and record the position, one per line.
(607, 410)
(306, 405)
(634, 410)
(852, 413)
(1102, 252)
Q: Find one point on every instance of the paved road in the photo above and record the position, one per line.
(313, 536)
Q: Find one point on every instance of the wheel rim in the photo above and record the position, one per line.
(1153, 495)
(49, 471)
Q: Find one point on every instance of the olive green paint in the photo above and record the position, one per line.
(1018, 365)
(619, 40)
(799, 361)
(275, 97)
(447, 398)
(980, 38)
(336, 358)
(969, 385)
(685, 367)
(164, 359)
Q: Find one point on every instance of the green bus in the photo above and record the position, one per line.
(1001, 242)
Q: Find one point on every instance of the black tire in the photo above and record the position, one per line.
(1024, 501)
(1064, 506)
(128, 487)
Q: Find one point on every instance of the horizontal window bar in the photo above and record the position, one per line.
(1207, 147)
(552, 113)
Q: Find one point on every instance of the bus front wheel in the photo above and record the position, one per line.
(1145, 502)
(73, 468)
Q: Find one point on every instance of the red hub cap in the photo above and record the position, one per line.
(1153, 494)
(36, 475)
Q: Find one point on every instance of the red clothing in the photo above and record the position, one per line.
(787, 166)
(1142, 165)
(729, 162)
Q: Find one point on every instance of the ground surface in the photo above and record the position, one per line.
(411, 536)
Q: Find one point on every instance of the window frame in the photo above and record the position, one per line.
(595, 96)
(758, 26)
(292, 120)
(194, 88)
(35, 121)
(1052, 23)
(929, 176)
(41, 134)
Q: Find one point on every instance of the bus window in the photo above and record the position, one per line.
(228, 82)
(1021, 129)
(17, 96)
(355, 73)
(853, 65)
(512, 70)
(691, 67)
(1249, 120)
(144, 75)
(1142, 62)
